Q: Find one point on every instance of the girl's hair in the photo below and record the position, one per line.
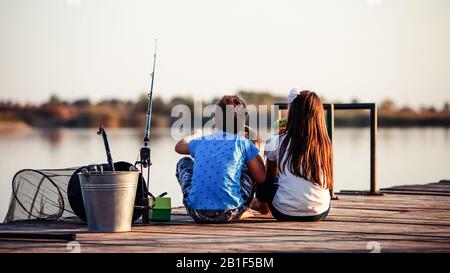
(239, 108)
(306, 149)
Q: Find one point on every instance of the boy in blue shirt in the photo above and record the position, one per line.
(218, 185)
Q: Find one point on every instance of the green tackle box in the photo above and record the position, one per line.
(162, 210)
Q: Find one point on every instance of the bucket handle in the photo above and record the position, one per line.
(155, 198)
(153, 201)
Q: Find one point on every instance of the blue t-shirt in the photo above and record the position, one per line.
(218, 161)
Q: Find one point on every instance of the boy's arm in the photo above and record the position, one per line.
(182, 147)
(257, 169)
(253, 136)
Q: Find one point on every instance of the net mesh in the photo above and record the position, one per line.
(54, 195)
(41, 194)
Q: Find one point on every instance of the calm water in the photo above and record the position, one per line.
(405, 156)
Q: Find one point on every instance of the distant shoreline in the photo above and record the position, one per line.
(113, 113)
(13, 126)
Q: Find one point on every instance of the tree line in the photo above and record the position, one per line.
(57, 112)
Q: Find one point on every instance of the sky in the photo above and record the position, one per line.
(102, 49)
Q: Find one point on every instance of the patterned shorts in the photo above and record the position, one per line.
(185, 169)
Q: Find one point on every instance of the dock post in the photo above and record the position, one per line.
(373, 149)
(329, 107)
(330, 120)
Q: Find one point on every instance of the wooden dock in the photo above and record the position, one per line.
(405, 219)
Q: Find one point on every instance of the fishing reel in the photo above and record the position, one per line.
(148, 200)
(145, 157)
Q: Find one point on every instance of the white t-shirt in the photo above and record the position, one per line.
(296, 196)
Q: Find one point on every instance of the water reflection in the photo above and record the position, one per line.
(54, 136)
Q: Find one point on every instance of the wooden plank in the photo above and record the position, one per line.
(442, 187)
(397, 222)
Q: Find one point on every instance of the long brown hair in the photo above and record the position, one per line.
(306, 148)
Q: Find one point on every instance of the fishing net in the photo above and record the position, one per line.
(55, 195)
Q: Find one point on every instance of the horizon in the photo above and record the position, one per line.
(370, 50)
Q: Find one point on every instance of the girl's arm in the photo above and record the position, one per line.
(257, 170)
(182, 147)
(272, 169)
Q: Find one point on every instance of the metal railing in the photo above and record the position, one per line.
(373, 116)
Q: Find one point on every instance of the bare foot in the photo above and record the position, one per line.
(260, 207)
(247, 214)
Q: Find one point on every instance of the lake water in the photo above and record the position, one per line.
(405, 156)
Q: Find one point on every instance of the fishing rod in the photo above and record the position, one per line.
(145, 150)
(150, 99)
(144, 160)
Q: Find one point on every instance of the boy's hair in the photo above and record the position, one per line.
(231, 120)
(306, 149)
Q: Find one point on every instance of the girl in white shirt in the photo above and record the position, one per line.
(299, 164)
